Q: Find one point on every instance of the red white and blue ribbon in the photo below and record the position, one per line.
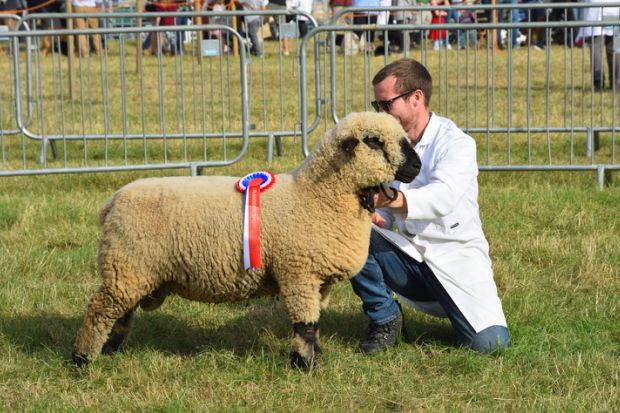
(252, 185)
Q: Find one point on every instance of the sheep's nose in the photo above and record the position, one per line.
(412, 164)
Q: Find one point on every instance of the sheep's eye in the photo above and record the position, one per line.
(374, 142)
(349, 144)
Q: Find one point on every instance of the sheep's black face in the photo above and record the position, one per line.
(376, 148)
(412, 164)
(408, 170)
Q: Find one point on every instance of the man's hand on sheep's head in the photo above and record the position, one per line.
(391, 198)
(379, 196)
(395, 201)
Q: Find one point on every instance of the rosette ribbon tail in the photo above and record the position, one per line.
(252, 185)
(251, 226)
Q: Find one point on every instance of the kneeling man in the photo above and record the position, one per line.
(438, 261)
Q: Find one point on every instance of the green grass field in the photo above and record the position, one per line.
(555, 244)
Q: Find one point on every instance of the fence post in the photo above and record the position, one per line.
(603, 177)
(139, 9)
(593, 142)
(597, 140)
(270, 147)
(198, 22)
(235, 45)
(71, 43)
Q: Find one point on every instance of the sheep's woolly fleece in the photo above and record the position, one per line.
(183, 235)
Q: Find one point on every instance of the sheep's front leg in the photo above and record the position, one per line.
(303, 303)
(305, 345)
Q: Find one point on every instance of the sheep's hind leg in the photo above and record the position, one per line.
(120, 332)
(101, 315)
(108, 320)
(155, 299)
(324, 290)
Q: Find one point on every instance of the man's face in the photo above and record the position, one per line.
(405, 108)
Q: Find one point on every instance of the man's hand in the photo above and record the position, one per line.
(399, 205)
(378, 220)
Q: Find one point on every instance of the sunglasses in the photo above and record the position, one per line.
(384, 105)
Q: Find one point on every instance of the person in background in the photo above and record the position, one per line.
(369, 17)
(497, 16)
(147, 44)
(514, 17)
(404, 17)
(217, 6)
(170, 43)
(385, 18)
(453, 17)
(253, 23)
(468, 38)
(600, 40)
(83, 43)
(438, 36)
(536, 15)
(438, 261)
(45, 6)
(302, 21)
(564, 36)
(334, 7)
(15, 7)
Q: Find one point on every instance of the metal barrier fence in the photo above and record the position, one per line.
(8, 125)
(527, 109)
(190, 103)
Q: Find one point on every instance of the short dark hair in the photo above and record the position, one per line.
(410, 75)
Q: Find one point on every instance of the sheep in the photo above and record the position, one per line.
(183, 236)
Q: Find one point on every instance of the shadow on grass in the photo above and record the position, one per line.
(249, 331)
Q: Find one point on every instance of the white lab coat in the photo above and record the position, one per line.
(443, 228)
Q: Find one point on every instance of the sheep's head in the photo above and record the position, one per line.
(371, 149)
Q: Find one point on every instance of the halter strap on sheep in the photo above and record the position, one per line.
(367, 196)
(252, 185)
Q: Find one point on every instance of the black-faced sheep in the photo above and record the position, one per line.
(183, 235)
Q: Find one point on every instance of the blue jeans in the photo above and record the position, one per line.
(253, 26)
(515, 17)
(388, 270)
(453, 15)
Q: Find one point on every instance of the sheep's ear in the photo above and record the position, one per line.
(349, 144)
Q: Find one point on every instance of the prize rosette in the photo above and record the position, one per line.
(251, 186)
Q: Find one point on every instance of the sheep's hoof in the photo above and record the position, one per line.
(300, 362)
(80, 360)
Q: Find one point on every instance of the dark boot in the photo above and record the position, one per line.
(382, 336)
